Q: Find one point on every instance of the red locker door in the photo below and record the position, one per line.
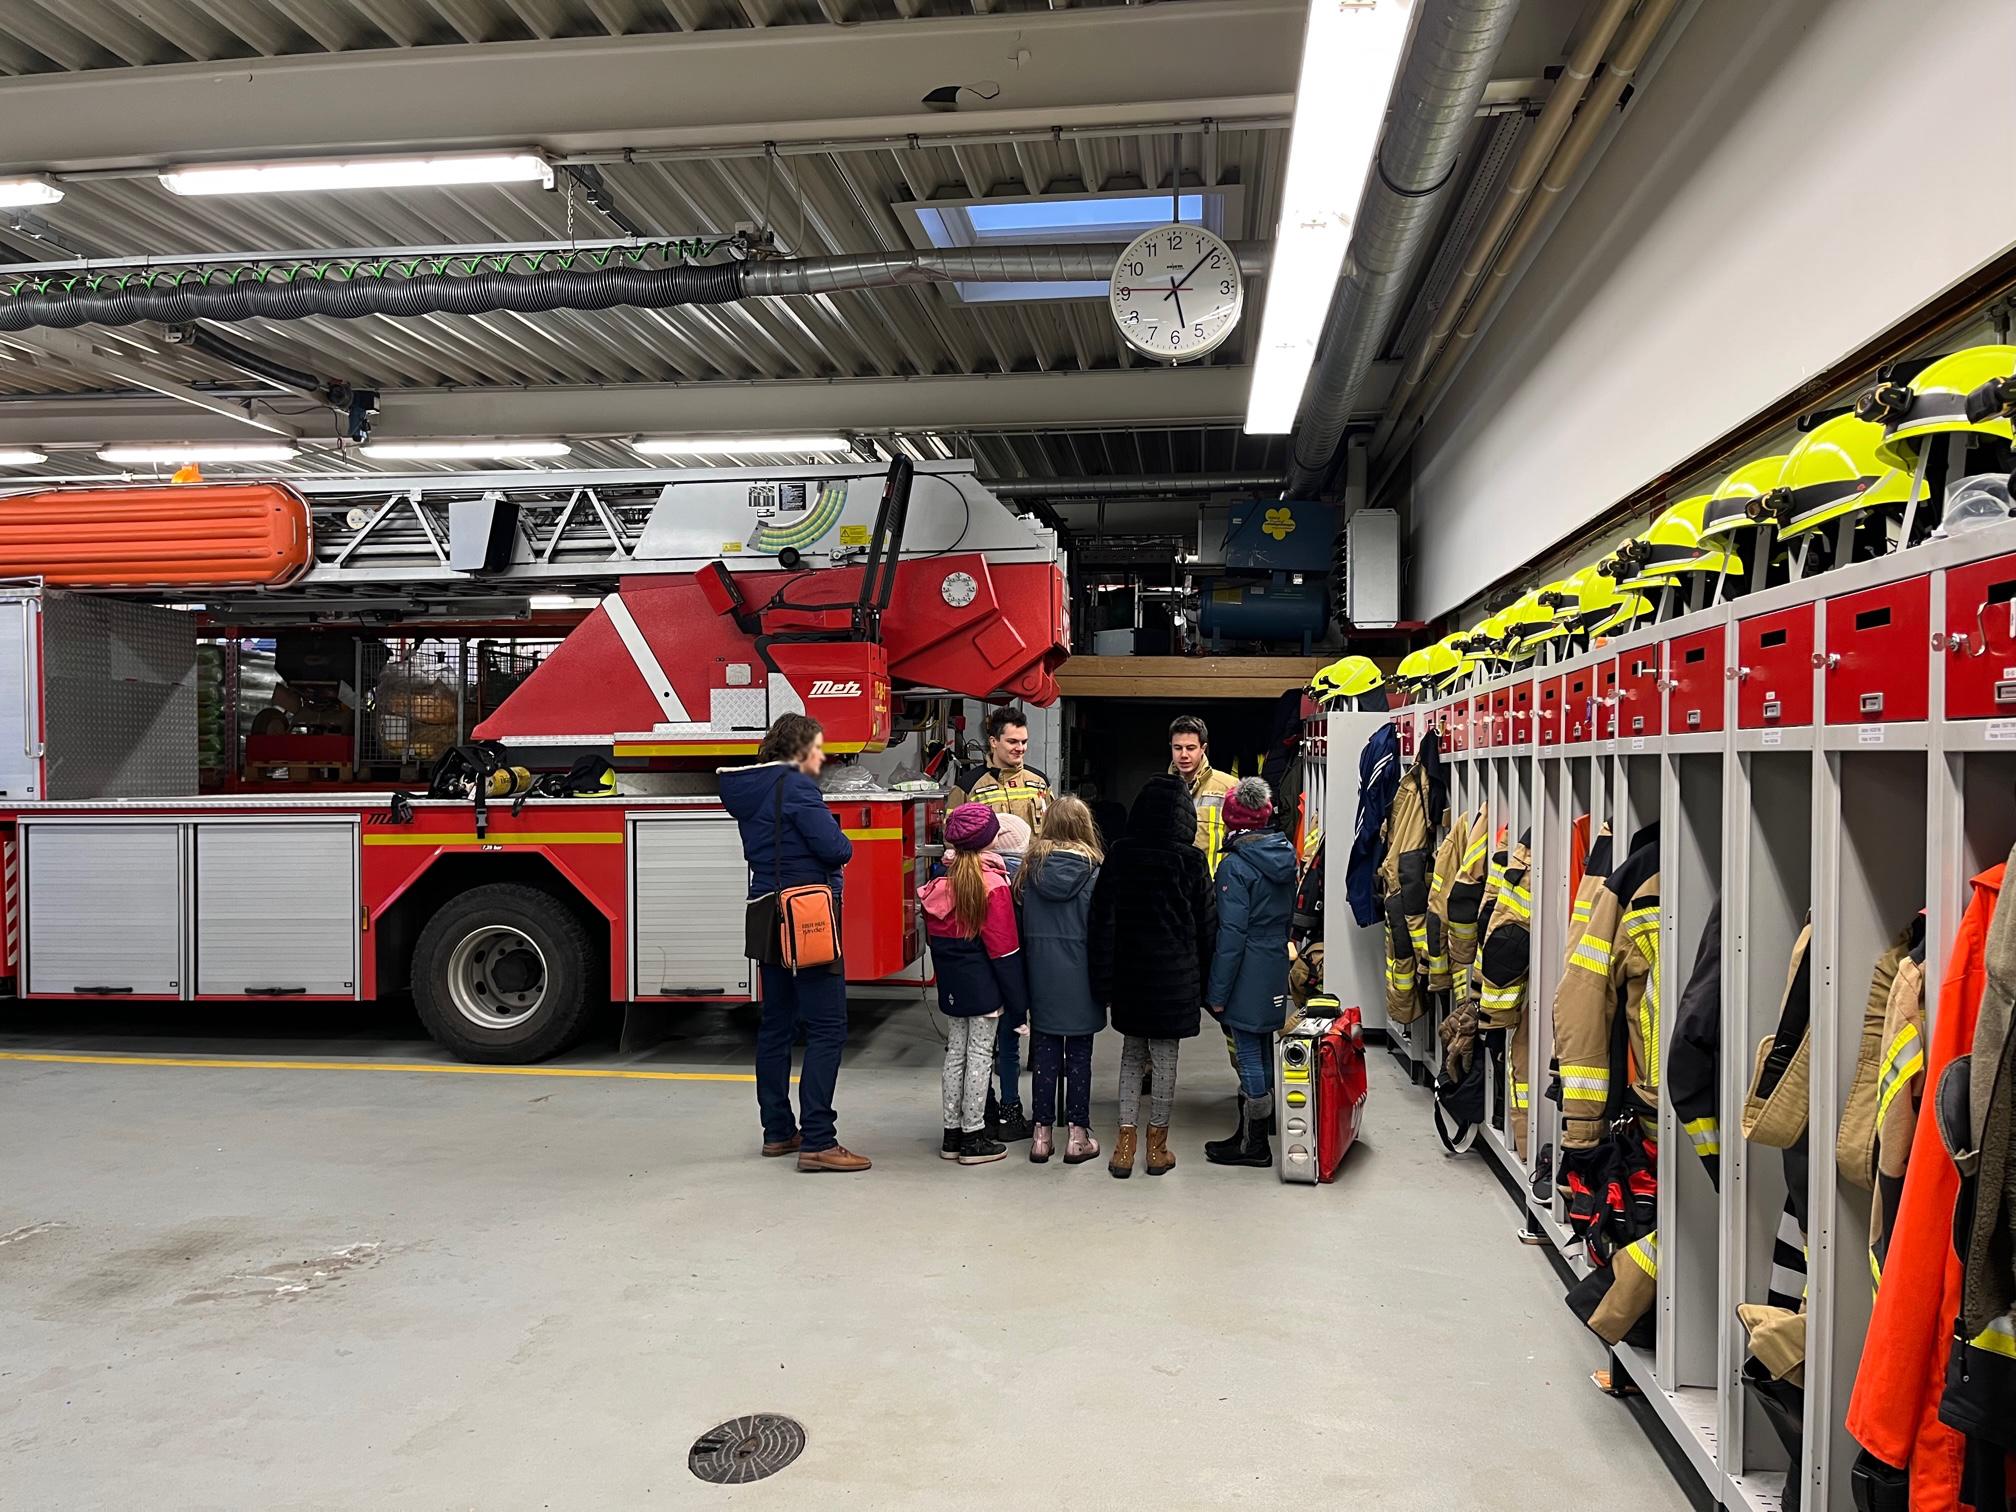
(1774, 669)
(1981, 639)
(1403, 729)
(1578, 707)
(1878, 670)
(1550, 713)
(1500, 728)
(1456, 734)
(1522, 714)
(1606, 701)
(1694, 668)
(1638, 692)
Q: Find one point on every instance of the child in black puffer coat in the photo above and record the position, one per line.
(1154, 922)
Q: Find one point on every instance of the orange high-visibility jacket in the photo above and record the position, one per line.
(1894, 1413)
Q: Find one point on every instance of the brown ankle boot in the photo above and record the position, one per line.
(1159, 1158)
(1122, 1163)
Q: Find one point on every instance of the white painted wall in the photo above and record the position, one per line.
(1795, 177)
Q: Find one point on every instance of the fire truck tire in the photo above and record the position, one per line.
(504, 974)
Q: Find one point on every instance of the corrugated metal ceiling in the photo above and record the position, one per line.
(51, 36)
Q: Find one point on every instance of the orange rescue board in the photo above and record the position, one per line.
(186, 535)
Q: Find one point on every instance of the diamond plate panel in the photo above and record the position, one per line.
(119, 687)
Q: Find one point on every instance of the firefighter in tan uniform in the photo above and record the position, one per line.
(1005, 784)
(1190, 760)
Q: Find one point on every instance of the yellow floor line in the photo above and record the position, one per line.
(222, 1063)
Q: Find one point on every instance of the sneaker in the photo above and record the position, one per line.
(1012, 1124)
(949, 1150)
(978, 1149)
(834, 1158)
(1543, 1174)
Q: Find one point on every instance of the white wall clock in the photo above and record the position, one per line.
(1176, 293)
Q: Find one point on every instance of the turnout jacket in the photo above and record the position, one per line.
(1894, 1413)
(1022, 791)
(1378, 779)
(1207, 792)
(1900, 1087)
(1694, 1063)
(1506, 925)
(1455, 896)
(1612, 969)
(1404, 886)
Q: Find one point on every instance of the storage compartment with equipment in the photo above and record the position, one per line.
(1980, 640)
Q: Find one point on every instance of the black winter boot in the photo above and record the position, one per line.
(949, 1150)
(1011, 1124)
(1226, 1151)
(1249, 1147)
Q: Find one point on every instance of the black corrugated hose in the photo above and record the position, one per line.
(353, 298)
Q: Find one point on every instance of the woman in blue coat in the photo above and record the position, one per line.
(791, 839)
(1055, 890)
(1248, 988)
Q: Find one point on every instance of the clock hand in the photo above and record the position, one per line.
(1173, 294)
(1200, 263)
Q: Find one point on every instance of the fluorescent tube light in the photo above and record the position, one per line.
(360, 173)
(743, 446)
(22, 459)
(1350, 54)
(445, 450)
(28, 191)
(176, 452)
(562, 601)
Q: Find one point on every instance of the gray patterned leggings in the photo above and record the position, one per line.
(969, 1067)
(1158, 1058)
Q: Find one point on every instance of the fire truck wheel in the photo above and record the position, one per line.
(502, 974)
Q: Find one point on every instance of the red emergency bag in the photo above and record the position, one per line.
(1341, 1089)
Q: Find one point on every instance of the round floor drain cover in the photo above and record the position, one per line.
(746, 1448)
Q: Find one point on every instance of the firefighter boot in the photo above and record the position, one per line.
(1122, 1163)
(1160, 1160)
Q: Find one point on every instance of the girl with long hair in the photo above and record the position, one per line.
(1055, 889)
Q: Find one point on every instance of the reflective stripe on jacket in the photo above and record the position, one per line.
(1207, 791)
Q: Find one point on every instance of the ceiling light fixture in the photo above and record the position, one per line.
(1350, 54)
(22, 459)
(28, 191)
(174, 453)
(743, 446)
(359, 173)
(504, 449)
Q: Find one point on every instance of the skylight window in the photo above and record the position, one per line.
(1070, 219)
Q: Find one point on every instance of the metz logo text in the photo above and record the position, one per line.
(826, 688)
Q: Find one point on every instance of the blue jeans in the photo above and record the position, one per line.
(818, 1000)
(1255, 1054)
(1008, 1059)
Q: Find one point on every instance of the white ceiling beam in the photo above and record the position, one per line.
(79, 353)
(1141, 396)
(1228, 59)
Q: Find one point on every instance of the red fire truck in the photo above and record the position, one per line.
(511, 900)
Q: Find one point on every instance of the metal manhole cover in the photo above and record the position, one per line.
(746, 1449)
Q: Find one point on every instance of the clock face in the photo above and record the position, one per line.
(1176, 292)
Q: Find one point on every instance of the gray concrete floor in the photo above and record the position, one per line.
(279, 1288)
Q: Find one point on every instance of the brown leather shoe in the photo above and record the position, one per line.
(1159, 1158)
(1122, 1163)
(838, 1158)
(783, 1147)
